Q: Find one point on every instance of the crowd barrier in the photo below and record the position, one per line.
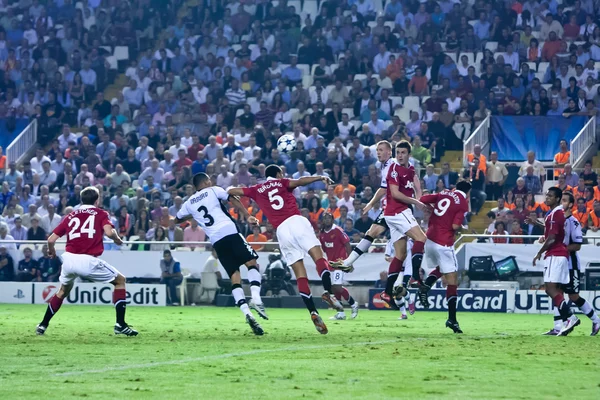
(485, 300)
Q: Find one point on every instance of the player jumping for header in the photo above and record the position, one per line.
(336, 245)
(85, 229)
(206, 207)
(295, 235)
(380, 226)
(449, 208)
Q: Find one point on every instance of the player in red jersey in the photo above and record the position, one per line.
(449, 208)
(85, 229)
(295, 234)
(336, 245)
(556, 260)
(401, 222)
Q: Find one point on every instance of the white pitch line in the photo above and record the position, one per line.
(246, 353)
(219, 357)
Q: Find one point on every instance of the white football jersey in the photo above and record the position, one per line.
(206, 208)
(573, 235)
(385, 167)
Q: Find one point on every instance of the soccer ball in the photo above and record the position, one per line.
(286, 144)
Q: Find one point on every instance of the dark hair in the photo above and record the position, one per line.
(463, 186)
(491, 214)
(272, 170)
(166, 252)
(404, 144)
(89, 196)
(556, 191)
(570, 196)
(199, 179)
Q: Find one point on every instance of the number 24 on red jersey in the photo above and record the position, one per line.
(85, 230)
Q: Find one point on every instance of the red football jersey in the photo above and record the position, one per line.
(555, 224)
(85, 230)
(402, 177)
(334, 243)
(275, 199)
(449, 208)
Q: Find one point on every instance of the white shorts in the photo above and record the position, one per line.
(86, 267)
(337, 277)
(444, 257)
(390, 252)
(296, 237)
(556, 270)
(401, 223)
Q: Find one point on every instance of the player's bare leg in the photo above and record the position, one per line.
(426, 286)
(362, 247)
(255, 278)
(240, 300)
(120, 302)
(395, 271)
(555, 292)
(53, 306)
(419, 238)
(304, 289)
(342, 293)
(316, 253)
(452, 298)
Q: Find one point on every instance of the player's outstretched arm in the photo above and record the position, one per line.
(379, 194)
(51, 241)
(111, 233)
(235, 191)
(182, 220)
(235, 201)
(307, 180)
(417, 186)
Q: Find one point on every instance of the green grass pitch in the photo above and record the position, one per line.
(210, 353)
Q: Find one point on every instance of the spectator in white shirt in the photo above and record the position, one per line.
(225, 177)
(174, 149)
(512, 58)
(345, 127)
(249, 150)
(58, 165)
(47, 176)
(200, 92)
(382, 59)
(154, 171)
(88, 75)
(453, 102)
(51, 220)
(36, 162)
(167, 163)
(66, 137)
(133, 94)
(346, 200)
(375, 125)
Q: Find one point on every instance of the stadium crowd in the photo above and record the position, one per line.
(211, 85)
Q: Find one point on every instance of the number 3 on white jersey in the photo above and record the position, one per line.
(87, 227)
(275, 199)
(441, 207)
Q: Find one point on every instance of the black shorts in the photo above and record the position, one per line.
(381, 221)
(233, 251)
(573, 286)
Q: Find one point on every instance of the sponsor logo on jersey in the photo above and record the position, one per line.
(409, 185)
(394, 174)
(329, 245)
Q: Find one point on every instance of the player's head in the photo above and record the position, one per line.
(553, 196)
(464, 186)
(403, 149)
(201, 180)
(384, 150)
(568, 200)
(273, 171)
(327, 220)
(89, 196)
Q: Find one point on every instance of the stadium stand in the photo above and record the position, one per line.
(137, 96)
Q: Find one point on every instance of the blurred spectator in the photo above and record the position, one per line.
(7, 268)
(170, 276)
(27, 269)
(496, 176)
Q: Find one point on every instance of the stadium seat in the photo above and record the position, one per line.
(412, 103)
(540, 76)
(403, 114)
(305, 68)
(307, 81)
(396, 100)
(543, 66)
(183, 287)
(348, 111)
(492, 46)
(121, 53)
(310, 8)
(208, 285)
(360, 77)
(239, 112)
(452, 56)
(533, 66)
(112, 62)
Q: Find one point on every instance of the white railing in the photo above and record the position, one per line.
(22, 143)
(582, 142)
(480, 136)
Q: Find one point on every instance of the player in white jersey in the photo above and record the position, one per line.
(573, 241)
(401, 301)
(379, 226)
(206, 207)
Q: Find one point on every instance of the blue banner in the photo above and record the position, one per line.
(513, 137)
(468, 300)
(8, 133)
